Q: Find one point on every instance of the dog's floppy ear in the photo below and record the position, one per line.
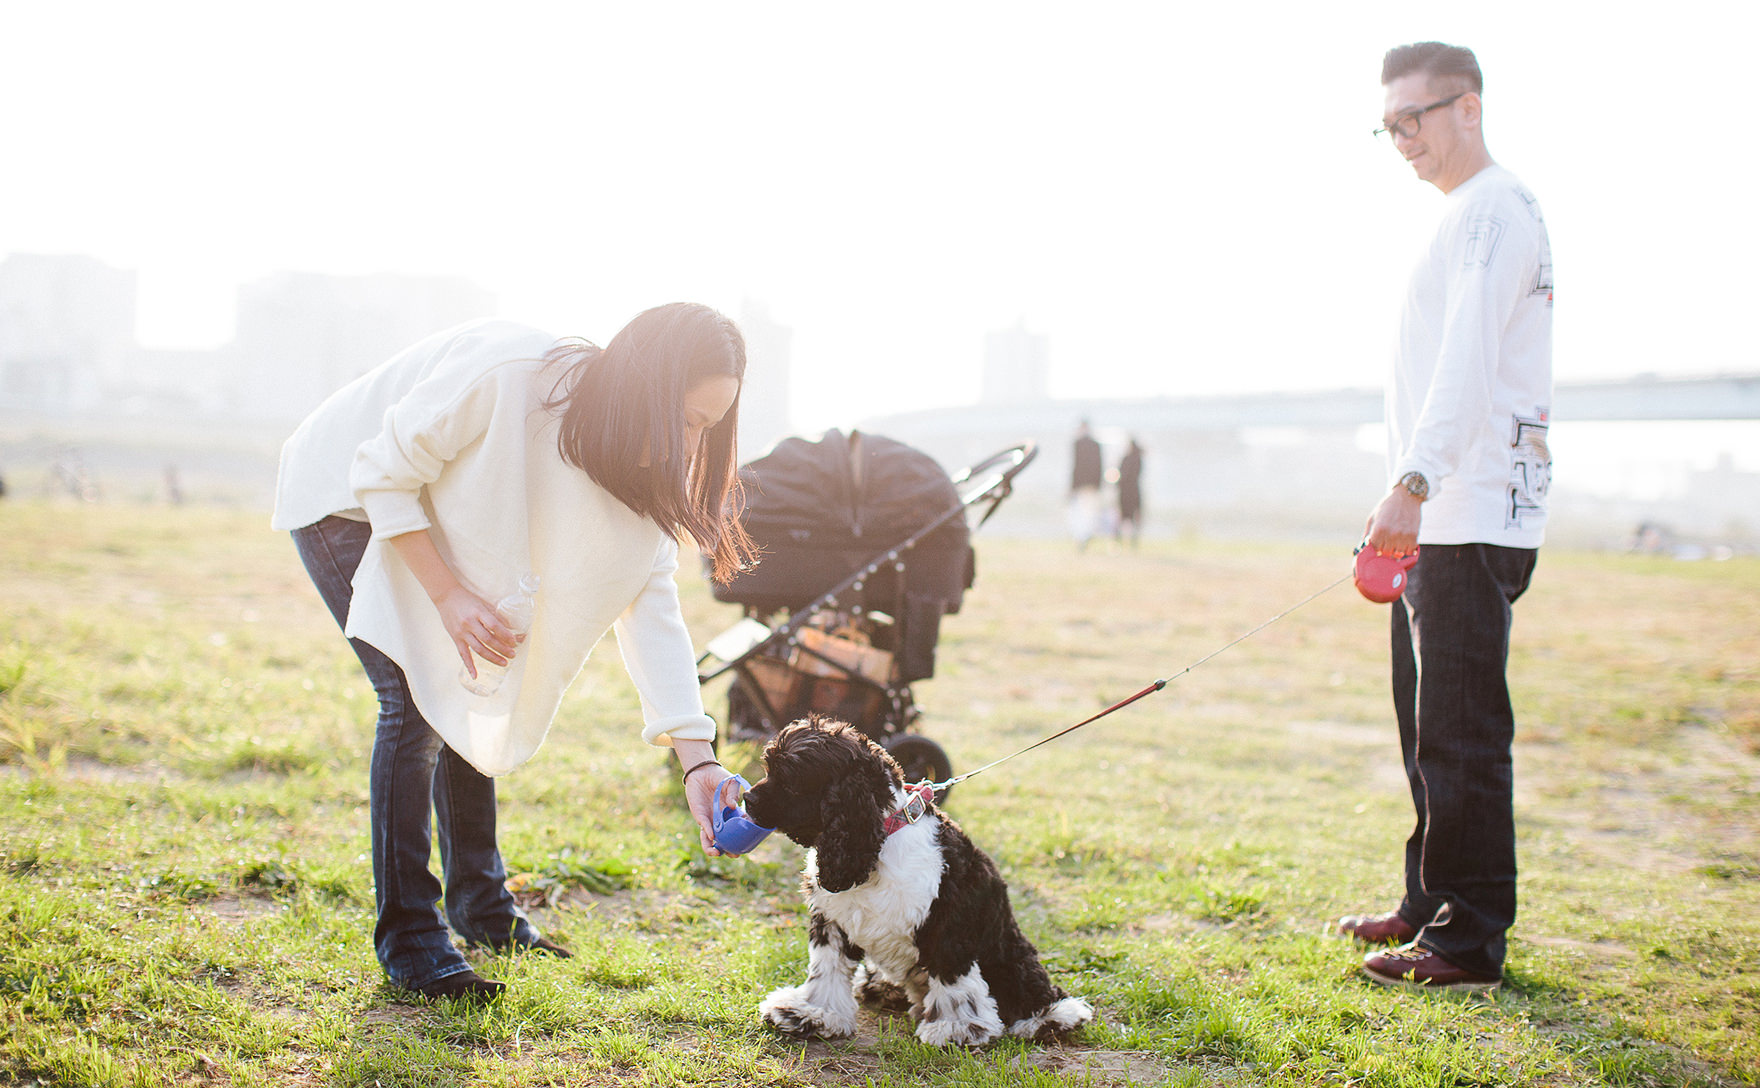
(854, 819)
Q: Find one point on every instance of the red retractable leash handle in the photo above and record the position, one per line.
(1381, 577)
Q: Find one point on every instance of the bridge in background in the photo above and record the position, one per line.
(1720, 397)
(1301, 455)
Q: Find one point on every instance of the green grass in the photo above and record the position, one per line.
(185, 896)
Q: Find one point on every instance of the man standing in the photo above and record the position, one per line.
(1467, 412)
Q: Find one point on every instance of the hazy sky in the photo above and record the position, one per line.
(1185, 198)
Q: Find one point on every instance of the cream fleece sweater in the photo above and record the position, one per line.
(450, 436)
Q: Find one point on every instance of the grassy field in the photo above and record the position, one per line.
(185, 895)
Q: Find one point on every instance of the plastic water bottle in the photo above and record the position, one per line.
(516, 611)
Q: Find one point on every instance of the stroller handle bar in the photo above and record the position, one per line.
(991, 479)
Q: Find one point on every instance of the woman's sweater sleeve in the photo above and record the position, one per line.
(424, 430)
(657, 651)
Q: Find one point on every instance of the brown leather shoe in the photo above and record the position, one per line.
(1418, 967)
(1387, 928)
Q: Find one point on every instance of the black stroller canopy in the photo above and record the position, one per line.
(864, 546)
(819, 511)
(852, 488)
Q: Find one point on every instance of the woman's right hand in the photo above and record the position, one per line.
(476, 628)
(473, 624)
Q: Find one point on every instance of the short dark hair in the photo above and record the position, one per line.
(624, 404)
(1437, 61)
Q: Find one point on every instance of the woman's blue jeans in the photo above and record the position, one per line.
(1451, 696)
(412, 769)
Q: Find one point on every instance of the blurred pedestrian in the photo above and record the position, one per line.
(1087, 473)
(1469, 471)
(1130, 494)
(432, 485)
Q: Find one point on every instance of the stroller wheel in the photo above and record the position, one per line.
(921, 758)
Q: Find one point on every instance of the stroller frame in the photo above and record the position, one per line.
(751, 642)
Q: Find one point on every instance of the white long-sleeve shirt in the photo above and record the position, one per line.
(450, 436)
(1471, 395)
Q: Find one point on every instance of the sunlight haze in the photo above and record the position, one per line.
(1183, 200)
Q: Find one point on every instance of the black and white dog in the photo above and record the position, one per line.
(893, 882)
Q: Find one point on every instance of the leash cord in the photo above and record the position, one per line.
(941, 787)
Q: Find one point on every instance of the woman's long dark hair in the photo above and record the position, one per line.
(623, 405)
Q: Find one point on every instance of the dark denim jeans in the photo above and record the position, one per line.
(1450, 694)
(412, 767)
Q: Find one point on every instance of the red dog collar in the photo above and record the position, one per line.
(916, 803)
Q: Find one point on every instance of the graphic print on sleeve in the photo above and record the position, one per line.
(1542, 281)
(1483, 234)
(1530, 470)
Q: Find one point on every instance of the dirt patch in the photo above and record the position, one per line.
(856, 1060)
(1109, 1067)
(853, 1060)
(1372, 748)
(1607, 952)
(240, 908)
(79, 768)
(1365, 736)
(616, 907)
(1683, 810)
(392, 1014)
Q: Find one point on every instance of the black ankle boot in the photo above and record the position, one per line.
(466, 984)
(545, 944)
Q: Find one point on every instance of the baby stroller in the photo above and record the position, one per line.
(864, 548)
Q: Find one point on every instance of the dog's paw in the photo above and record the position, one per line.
(870, 989)
(789, 1013)
(956, 1032)
(1058, 1018)
(1069, 1014)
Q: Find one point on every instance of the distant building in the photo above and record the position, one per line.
(66, 331)
(1017, 366)
(68, 345)
(763, 402)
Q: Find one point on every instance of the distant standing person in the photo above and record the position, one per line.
(1467, 415)
(1130, 493)
(430, 487)
(1087, 473)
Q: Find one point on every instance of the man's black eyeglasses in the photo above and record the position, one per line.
(1408, 124)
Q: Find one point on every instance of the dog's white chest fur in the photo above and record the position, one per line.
(882, 913)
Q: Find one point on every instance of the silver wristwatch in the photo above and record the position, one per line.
(1416, 485)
